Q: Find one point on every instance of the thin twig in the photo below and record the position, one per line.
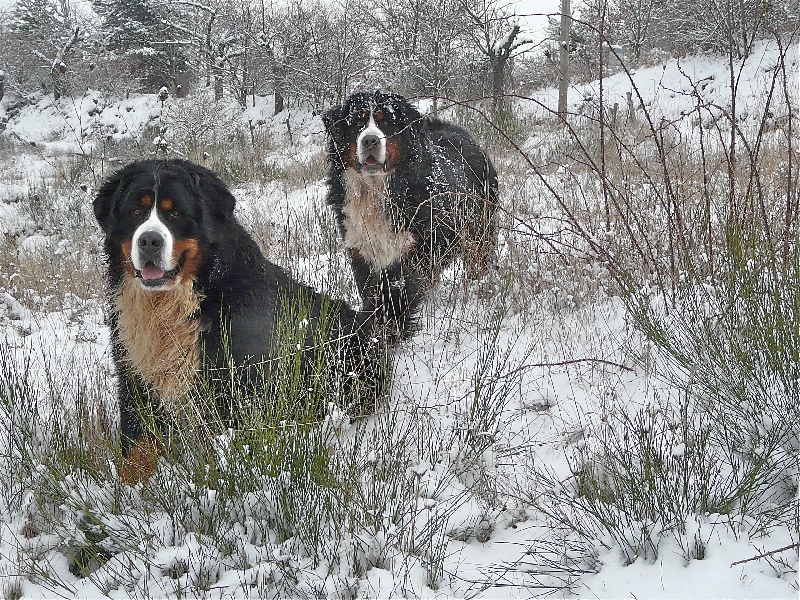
(573, 361)
(770, 553)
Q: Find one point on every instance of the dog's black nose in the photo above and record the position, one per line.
(368, 142)
(151, 240)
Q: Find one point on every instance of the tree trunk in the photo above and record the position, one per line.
(563, 61)
(497, 66)
(218, 87)
(58, 84)
(280, 103)
(219, 66)
(498, 59)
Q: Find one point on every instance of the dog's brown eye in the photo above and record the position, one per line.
(384, 116)
(137, 212)
(174, 214)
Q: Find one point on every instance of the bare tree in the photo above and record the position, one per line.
(635, 23)
(716, 25)
(224, 41)
(685, 26)
(422, 39)
(497, 37)
(241, 52)
(339, 49)
(445, 29)
(198, 22)
(46, 36)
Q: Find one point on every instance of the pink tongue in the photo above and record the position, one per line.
(150, 271)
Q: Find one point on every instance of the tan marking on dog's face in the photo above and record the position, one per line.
(188, 251)
(352, 155)
(146, 201)
(392, 153)
(127, 263)
(166, 204)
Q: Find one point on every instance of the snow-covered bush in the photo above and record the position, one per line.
(692, 215)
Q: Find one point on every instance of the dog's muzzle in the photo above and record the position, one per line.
(150, 251)
(372, 154)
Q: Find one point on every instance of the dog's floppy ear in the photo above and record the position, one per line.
(215, 193)
(412, 115)
(107, 196)
(331, 118)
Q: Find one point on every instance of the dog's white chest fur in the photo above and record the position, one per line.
(367, 227)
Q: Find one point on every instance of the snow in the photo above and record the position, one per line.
(80, 124)
(712, 577)
(547, 415)
(673, 89)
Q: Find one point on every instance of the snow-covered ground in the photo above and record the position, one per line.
(548, 365)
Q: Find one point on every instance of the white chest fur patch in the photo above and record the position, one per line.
(367, 227)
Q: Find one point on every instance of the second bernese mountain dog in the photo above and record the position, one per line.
(407, 189)
(197, 311)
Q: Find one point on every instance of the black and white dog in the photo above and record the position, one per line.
(407, 190)
(197, 311)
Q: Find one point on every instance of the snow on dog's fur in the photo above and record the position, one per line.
(407, 190)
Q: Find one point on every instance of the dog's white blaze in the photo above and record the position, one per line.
(367, 228)
(372, 129)
(153, 223)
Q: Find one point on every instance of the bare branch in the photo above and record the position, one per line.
(794, 546)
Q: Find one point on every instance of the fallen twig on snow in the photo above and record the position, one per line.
(765, 554)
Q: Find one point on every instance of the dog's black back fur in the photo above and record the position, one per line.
(242, 299)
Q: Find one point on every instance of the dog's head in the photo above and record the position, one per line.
(160, 217)
(372, 132)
